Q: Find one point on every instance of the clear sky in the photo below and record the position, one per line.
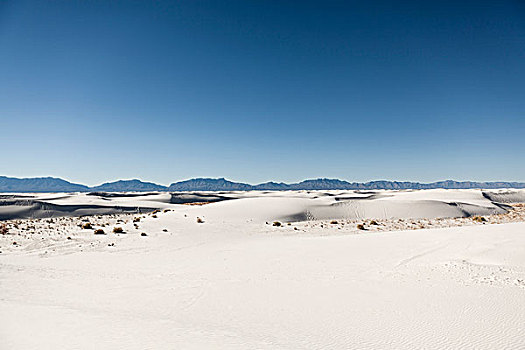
(262, 90)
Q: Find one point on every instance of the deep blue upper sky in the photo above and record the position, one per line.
(263, 90)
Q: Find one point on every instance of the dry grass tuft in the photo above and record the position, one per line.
(118, 229)
(479, 219)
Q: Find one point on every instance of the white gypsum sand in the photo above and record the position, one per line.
(235, 281)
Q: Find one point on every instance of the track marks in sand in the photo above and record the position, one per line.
(420, 255)
(469, 274)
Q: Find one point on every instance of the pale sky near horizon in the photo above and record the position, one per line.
(94, 91)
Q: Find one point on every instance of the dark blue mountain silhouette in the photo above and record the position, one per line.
(51, 184)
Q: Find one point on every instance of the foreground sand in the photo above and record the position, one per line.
(236, 282)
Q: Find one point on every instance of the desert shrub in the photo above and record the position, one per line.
(360, 226)
(87, 226)
(276, 223)
(334, 222)
(373, 222)
(156, 211)
(3, 229)
(200, 221)
(100, 232)
(167, 210)
(118, 229)
(164, 230)
(143, 234)
(479, 218)
(137, 219)
(154, 216)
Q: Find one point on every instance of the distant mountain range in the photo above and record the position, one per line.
(331, 184)
(39, 184)
(51, 184)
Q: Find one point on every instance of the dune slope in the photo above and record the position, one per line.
(235, 282)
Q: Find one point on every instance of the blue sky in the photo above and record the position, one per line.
(263, 90)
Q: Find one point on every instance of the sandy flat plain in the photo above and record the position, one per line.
(432, 269)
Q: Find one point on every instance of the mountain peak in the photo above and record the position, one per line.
(129, 185)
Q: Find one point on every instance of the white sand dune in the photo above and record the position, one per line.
(234, 282)
(286, 206)
(325, 205)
